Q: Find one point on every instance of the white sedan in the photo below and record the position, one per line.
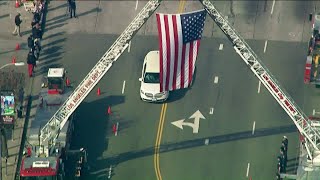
(150, 80)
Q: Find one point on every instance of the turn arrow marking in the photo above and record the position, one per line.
(195, 125)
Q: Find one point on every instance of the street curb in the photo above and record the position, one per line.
(27, 104)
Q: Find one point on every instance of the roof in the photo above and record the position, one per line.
(27, 168)
(152, 61)
(56, 72)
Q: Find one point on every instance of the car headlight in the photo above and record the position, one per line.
(162, 93)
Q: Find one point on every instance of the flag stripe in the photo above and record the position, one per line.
(191, 62)
(160, 49)
(172, 49)
(168, 50)
(164, 53)
(182, 66)
(176, 50)
(186, 66)
(180, 45)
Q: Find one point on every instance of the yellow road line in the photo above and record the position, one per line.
(182, 4)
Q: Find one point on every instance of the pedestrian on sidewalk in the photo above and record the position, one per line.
(73, 8)
(31, 61)
(17, 22)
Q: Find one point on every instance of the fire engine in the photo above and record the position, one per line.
(38, 162)
(312, 68)
(50, 143)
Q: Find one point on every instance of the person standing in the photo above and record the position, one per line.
(17, 22)
(31, 61)
(73, 8)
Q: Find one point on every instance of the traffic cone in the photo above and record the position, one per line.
(13, 60)
(109, 110)
(114, 128)
(17, 46)
(67, 82)
(17, 5)
(99, 92)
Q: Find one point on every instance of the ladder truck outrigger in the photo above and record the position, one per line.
(50, 133)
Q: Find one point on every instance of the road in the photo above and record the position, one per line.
(233, 150)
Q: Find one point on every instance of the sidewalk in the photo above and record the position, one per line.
(8, 44)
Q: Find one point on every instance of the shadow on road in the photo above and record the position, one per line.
(168, 147)
(92, 126)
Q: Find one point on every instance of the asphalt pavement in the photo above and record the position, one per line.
(223, 85)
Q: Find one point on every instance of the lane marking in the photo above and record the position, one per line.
(253, 127)
(221, 47)
(206, 142)
(314, 112)
(137, 2)
(265, 46)
(211, 110)
(116, 134)
(161, 121)
(273, 2)
(129, 47)
(158, 141)
(123, 86)
(248, 168)
(216, 79)
(259, 86)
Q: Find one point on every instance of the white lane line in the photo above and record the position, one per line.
(129, 47)
(253, 127)
(206, 142)
(216, 79)
(136, 4)
(123, 86)
(117, 129)
(221, 47)
(211, 110)
(273, 2)
(259, 86)
(248, 168)
(265, 46)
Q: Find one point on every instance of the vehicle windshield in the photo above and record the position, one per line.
(54, 83)
(39, 178)
(151, 78)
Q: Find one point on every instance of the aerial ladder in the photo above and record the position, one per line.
(50, 132)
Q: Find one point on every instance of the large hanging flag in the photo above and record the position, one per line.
(179, 41)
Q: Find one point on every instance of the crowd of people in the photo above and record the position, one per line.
(282, 158)
(34, 40)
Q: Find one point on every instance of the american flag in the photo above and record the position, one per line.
(179, 41)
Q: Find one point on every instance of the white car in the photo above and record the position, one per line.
(150, 80)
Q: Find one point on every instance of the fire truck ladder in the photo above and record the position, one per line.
(50, 132)
(301, 121)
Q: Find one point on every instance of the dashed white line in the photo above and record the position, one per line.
(136, 4)
(265, 46)
(248, 169)
(123, 86)
(253, 127)
(259, 86)
(129, 47)
(216, 79)
(221, 47)
(211, 110)
(314, 112)
(273, 2)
